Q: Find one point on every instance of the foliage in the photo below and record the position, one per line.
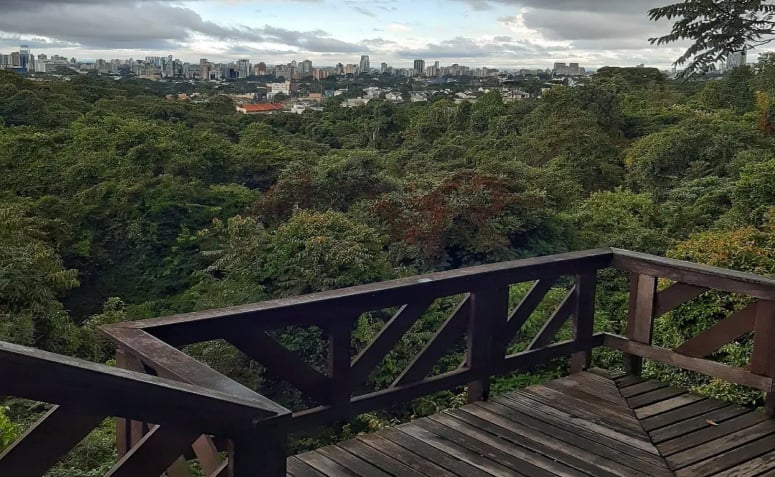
(715, 28)
(118, 204)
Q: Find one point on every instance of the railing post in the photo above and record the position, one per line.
(486, 324)
(128, 432)
(584, 320)
(339, 365)
(258, 455)
(763, 358)
(640, 318)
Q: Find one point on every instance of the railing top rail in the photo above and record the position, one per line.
(104, 390)
(695, 274)
(390, 293)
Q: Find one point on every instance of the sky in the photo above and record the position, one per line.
(492, 33)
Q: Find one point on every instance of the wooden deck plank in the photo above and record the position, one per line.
(351, 462)
(666, 405)
(652, 397)
(703, 421)
(378, 459)
(721, 445)
(324, 465)
(618, 420)
(432, 454)
(628, 380)
(680, 414)
(584, 425)
(298, 468)
(729, 458)
(461, 452)
(639, 449)
(756, 466)
(689, 442)
(559, 445)
(640, 388)
(526, 460)
(406, 456)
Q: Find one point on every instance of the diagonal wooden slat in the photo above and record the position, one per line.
(282, 362)
(46, 442)
(438, 345)
(155, 453)
(207, 454)
(723, 332)
(387, 338)
(674, 296)
(527, 306)
(555, 322)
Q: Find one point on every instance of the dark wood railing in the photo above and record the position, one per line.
(482, 316)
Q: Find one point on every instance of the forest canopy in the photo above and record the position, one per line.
(118, 204)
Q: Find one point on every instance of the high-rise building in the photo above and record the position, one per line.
(735, 59)
(305, 68)
(365, 67)
(383, 68)
(573, 69)
(350, 69)
(419, 67)
(243, 68)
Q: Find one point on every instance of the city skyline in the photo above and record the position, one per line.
(493, 33)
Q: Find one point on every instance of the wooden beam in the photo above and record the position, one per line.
(47, 441)
(261, 455)
(339, 356)
(169, 362)
(674, 296)
(584, 320)
(555, 322)
(92, 388)
(385, 341)
(528, 305)
(156, 452)
(282, 362)
(763, 358)
(703, 366)
(487, 320)
(207, 455)
(530, 359)
(640, 317)
(438, 345)
(312, 418)
(693, 274)
(193, 327)
(723, 332)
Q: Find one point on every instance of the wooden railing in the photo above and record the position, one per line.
(84, 394)
(690, 281)
(482, 316)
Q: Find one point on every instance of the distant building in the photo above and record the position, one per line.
(419, 68)
(287, 88)
(735, 60)
(265, 108)
(365, 67)
(383, 68)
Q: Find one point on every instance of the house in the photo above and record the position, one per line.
(263, 108)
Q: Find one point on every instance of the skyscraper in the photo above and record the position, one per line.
(26, 60)
(364, 66)
(383, 68)
(419, 67)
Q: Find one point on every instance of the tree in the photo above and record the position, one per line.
(716, 29)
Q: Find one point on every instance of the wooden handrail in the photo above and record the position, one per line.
(482, 317)
(85, 393)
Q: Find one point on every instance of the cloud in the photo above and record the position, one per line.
(461, 47)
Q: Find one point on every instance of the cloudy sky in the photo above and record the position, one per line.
(496, 33)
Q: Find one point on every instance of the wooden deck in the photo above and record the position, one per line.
(580, 425)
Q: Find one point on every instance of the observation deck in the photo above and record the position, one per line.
(171, 409)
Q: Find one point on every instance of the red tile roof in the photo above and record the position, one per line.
(262, 108)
